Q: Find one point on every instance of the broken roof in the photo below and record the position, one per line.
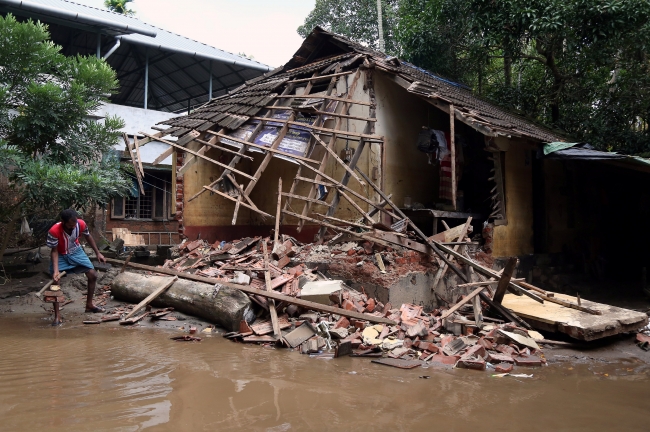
(324, 50)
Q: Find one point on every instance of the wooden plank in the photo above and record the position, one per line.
(137, 152)
(321, 77)
(508, 270)
(324, 113)
(261, 147)
(577, 324)
(302, 198)
(235, 200)
(322, 129)
(204, 157)
(356, 207)
(452, 148)
(164, 155)
(267, 281)
(241, 191)
(278, 211)
(333, 219)
(464, 301)
(338, 159)
(263, 293)
(319, 120)
(352, 101)
(223, 149)
(138, 176)
(451, 234)
(151, 297)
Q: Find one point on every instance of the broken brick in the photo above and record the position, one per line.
(504, 367)
(528, 361)
(499, 358)
(441, 358)
(471, 362)
(343, 322)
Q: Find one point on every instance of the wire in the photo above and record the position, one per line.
(150, 184)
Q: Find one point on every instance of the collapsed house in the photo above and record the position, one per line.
(344, 143)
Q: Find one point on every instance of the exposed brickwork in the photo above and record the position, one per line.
(144, 226)
(180, 161)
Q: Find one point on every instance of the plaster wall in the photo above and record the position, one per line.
(516, 238)
(400, 117)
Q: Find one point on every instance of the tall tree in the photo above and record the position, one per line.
(52, 152)
(119, 6)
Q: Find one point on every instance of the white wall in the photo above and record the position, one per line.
(139, 120)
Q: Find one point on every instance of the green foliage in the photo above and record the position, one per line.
(52, 152)
(119, 6)
(580, 66)
(356, 19)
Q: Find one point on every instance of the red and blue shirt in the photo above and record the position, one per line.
(64, 242)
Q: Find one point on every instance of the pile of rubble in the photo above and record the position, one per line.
(404, 336)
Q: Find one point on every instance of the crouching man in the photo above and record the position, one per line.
(68, 255)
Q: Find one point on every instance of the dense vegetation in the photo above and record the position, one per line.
(53, 154)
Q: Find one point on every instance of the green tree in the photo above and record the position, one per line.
(51, 152)
(356, 19)
(119, 6)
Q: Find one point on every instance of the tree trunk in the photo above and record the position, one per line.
(8, 234)
(507, 70)
(220, 305)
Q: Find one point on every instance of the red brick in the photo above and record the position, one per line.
(486, 343)
(476, 350)
(282, 262)
(360, 324)
(348, 305)
(528, 361)
(441, 358)
(475, 363)
(499, 358)
(505, 349)
(342, 323)
(351, 252)
(370, 306)
(504, 368)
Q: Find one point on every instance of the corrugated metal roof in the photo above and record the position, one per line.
(119, 23)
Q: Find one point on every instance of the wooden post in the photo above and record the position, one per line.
(267, 279)
(452, 150)
(511, 265)
(151, 297)
(276, 234)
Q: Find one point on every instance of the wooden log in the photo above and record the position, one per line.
(224, 306)
(508, 270)
(151, 297)
(250, 290)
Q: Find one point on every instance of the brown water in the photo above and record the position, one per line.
(101, 378)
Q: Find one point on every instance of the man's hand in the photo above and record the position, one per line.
(101, 258)
(56, 276)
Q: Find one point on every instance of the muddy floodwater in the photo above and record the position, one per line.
(100, 378)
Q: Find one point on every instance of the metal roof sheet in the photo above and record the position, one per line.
(141, 33)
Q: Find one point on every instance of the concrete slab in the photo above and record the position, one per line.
(577, 324)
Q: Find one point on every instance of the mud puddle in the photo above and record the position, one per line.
(127, 379)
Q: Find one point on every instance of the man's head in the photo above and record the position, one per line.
(69, 218)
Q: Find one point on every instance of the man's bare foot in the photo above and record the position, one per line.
(94, 309)
(56, 322)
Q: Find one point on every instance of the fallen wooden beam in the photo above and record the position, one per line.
(185, 149)
(458, 305)
(508, 270)
(267, 281)
(272, 294)
(235, 200)
(151, 297)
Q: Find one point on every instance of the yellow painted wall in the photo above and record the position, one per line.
(516, 238)
(401, 116)
(209, 209)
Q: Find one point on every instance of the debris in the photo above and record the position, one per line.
(300, 335)
(186, 338)
(399, 363)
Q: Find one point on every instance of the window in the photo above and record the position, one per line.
(154, 204)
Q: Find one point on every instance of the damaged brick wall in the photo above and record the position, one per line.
(180, 161)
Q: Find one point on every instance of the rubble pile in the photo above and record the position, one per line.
(413, 338)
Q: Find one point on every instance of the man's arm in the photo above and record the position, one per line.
(91, 242)
(54, 256)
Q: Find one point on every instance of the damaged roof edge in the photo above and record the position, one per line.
(153, 44)
(76, 16)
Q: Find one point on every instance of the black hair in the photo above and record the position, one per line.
(68, 214)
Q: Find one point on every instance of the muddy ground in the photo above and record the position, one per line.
(18, 297)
